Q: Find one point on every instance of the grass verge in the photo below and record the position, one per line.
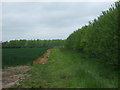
(69, 69)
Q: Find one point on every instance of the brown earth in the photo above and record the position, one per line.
(12, 75)
(43, 59)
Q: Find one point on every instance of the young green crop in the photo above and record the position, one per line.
(20, 56)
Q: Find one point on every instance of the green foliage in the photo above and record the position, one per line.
(32, 43)
(20, 56)
(99, 39)
(66, 69)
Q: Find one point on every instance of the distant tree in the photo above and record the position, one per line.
(32, 43)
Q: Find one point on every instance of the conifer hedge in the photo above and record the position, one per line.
(100, 38)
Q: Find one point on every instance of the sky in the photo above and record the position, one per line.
(47, 20)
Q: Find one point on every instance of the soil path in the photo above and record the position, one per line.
(11, 75)
(43, 59)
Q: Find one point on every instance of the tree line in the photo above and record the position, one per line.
(100, 38)
(32, 43)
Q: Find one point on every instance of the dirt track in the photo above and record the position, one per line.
(43, 59)
(11, 75)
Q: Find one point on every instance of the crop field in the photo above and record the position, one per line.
(20, 56)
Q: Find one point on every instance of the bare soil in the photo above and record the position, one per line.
(11, 75)
(43, 59)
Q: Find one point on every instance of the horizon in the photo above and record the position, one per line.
(31, 39)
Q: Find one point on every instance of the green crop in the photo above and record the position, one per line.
(20, 56)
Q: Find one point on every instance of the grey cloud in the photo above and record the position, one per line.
(47, 20)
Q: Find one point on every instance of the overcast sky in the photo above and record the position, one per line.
(47, 20)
